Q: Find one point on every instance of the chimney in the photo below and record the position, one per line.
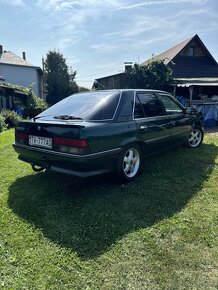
(1, 49)
(128, 65)
(24, 55)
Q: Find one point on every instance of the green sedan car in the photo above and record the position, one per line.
(106, 131)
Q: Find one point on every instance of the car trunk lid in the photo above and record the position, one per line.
(63, 136)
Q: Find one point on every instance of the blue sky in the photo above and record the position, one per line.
(98, 36)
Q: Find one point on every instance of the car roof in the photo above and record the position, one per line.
(123, 90)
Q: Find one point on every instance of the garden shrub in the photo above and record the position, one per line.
(3, 125)
(11, 118)
(36, 105)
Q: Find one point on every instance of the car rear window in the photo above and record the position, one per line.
(88, 106)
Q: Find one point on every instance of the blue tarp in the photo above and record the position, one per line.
(209, 111)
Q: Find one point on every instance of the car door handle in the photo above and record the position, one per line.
(143, 127)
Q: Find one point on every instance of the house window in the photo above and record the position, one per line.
(191, 51)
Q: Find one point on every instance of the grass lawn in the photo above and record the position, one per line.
(159, 232)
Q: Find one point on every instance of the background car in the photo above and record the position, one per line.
(102, 131)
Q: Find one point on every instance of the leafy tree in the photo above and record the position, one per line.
(154, 75)
(59, 78)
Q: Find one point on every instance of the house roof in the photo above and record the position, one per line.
(171, 53)
(16, 90)
(8, 57)
(186, 82)
(186, 66)
(110, 76)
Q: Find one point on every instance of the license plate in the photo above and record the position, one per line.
(40, 141)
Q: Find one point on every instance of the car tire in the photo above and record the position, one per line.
(129, 163)
(196, 137)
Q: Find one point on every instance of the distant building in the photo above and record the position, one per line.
(18, 71)
(12, 98)
(194, 71)
(191, 63)
(194, 68)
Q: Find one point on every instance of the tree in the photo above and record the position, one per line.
(154, 75)
(59, 78)
(83, 89)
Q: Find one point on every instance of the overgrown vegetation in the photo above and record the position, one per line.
(10, 118)
(34, 104)
(154, 75)
(3, 125)
(159, 232)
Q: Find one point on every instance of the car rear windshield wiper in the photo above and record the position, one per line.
(39, 117)
(67, 117)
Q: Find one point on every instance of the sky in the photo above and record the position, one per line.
(97, 36)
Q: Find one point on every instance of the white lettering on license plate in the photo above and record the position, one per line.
(40, 141)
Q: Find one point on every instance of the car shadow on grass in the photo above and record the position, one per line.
(91, 215)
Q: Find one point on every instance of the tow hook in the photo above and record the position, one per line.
(37, 168)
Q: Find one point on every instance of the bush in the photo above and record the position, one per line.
(32, 112)
(11, 118)
(40, 104)
(36, 105)
(3, 125)
(35, 102)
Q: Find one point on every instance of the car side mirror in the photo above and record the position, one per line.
(188, 110)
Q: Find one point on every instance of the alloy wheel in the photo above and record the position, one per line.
(195, 138)
(131, 162)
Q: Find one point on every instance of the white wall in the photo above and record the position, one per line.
(22, 75)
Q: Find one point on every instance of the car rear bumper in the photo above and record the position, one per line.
(77, 165)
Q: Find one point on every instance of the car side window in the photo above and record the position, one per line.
(170, 105)
(126, 106)
(138, 111)
(150, 105)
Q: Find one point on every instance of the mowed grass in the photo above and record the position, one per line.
(159, 232)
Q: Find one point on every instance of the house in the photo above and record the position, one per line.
(190, 61)
(12, 98)
(194, 71)
(18, 71)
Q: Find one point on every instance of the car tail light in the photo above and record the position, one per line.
(21, 135)
(76, 146)
(71, 142)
